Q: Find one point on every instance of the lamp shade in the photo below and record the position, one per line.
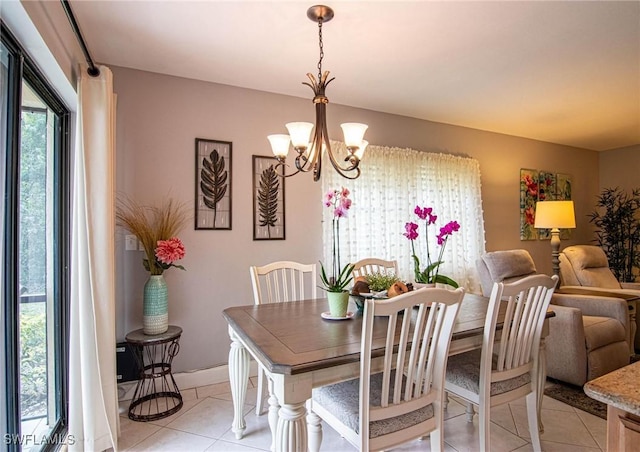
(279, 145)
(300, 133)
(353, 133)
(555, 214)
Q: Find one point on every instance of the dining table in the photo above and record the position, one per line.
(300, 350)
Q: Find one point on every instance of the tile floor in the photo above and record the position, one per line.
(204, 424)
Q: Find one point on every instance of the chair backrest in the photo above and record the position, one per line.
(420, 356)
(283, 281)
(503, 266)
(586, 265)
(527, 301)
(372, 265)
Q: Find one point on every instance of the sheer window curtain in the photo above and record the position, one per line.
(392, 183)
(93, 395)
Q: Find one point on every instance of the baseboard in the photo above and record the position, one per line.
(190, 379)
(210, 376)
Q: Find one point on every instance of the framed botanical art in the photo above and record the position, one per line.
(268, 200)
(537, 185)
(213, 184)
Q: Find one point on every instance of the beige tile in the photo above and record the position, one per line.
(549, 403)
(131, 432)
(169, 440)
(210, 417)
(212, 390)
(502, 416)
(186, 406)
(596, 426)
(550, 446)
(454, 408)
(225, 446)
(559, 426)
(188, 394)
(465, 436)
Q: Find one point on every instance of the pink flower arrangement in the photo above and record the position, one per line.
(430, 274)
(166, 253)
(169, 251)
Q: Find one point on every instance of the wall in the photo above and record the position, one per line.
(159, 118)
(620, 168)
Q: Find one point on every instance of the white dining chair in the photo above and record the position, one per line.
(372, 265)
(506, 367)
(277, 282)
(386, 408)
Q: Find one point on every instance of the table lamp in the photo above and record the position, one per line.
(555, 215)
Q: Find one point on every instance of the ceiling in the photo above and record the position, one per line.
(566, 72)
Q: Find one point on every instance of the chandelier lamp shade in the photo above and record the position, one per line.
(311, 141)
(555, 215)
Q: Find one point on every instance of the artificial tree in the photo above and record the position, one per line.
(617, 218)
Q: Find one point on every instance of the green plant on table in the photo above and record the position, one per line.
(380, 281)
(339, 284)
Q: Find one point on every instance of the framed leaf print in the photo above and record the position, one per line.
(268, 200)
(213, 184)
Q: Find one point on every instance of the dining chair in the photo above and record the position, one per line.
(372, 265)
(506, 367)
(277, 282)
(384, 408)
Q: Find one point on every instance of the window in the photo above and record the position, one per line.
(34, 226)
(393, 182)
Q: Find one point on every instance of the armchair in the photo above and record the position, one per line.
(588, 337)
(585, 269)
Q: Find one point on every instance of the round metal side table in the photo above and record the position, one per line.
(157, 395)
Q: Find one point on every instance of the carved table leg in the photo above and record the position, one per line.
(274, 407)
(291, 434)
(314, 427)
(238, 379)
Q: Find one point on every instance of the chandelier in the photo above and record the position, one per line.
(308, 146)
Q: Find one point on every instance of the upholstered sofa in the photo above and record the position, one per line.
(588, 337)
(585, 267)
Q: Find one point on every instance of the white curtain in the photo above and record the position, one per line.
(93, 395)
(393, 182)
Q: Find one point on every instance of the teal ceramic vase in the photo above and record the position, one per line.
(155, 305)
(338, 303)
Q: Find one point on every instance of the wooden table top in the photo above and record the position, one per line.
(292, 338)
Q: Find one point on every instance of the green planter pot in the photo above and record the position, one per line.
(155, 306)
(338, 303)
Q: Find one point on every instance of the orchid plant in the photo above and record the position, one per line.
(430, 274)
(338, 201)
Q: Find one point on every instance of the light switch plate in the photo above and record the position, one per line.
(130, 242)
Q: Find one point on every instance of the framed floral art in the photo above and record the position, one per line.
(540, 185)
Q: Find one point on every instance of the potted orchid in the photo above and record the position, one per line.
(430, 274)
(156, 229)
(335, 283)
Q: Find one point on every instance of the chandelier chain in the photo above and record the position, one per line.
(321, 46)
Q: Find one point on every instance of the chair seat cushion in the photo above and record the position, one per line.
(601, 331)
(343, 400)
(463, 370)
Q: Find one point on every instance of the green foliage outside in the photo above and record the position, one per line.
(33, 360)
(33, 198)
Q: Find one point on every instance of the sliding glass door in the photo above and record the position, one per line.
(34, 228)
